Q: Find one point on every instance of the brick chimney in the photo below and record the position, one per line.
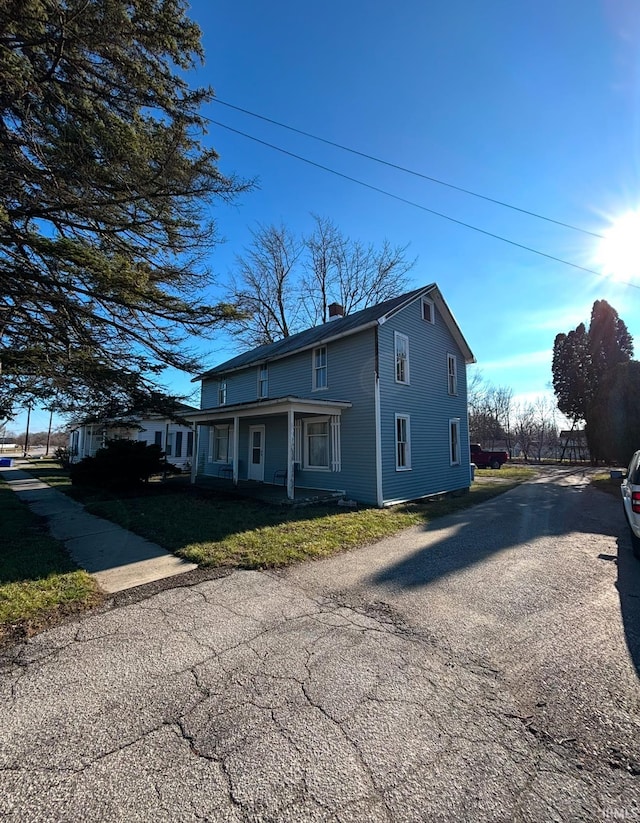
(335, 311)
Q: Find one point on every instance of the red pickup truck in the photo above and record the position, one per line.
(485, 460)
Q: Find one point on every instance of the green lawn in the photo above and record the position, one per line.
(38, 581)
(245, 534)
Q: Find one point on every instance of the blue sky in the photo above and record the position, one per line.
(535, 104)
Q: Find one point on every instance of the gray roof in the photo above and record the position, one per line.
(341, 327)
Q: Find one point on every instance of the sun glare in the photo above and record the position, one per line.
(618, 253)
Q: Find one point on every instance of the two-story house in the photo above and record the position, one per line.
(373, 405)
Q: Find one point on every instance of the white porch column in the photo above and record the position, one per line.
(196, 450)
(336, 449)
(236, 448)
(290, 454)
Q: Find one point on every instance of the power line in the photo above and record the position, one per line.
(408, 171)
(416, 205)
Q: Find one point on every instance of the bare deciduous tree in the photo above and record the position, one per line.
(283, 283)
(265, 288)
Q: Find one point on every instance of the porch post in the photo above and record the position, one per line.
(236, 448)
(290, 454)
(196, 449)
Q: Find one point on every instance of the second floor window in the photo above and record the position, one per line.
(402, 358)
(452, 374)
(263, 381)
(320, 368)
(222, 393)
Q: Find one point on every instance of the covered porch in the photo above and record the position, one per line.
(275, 495)
(289, 444)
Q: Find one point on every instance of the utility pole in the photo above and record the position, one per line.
(26, 436)
(46, 454)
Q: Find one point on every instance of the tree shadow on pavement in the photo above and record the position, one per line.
(517, 520)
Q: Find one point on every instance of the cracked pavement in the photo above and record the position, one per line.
(484, 668)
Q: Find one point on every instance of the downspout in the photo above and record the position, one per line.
(378, 438)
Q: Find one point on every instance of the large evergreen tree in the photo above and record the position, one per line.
(586, 367)
(571, 365)
(105, 193)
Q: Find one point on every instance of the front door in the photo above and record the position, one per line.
(256, 453)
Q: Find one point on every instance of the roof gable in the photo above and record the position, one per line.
(342, 327)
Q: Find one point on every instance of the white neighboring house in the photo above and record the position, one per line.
(175, 439)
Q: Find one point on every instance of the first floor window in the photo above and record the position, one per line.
(169, 448)
(316, 446)
(403, 443)
(221, 444)
(178, 451)
(157, 438)
(189, 444)
(454, 441)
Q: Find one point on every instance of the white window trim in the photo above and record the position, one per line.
(426, 301)
(407, 466)
(452, 377)
(307, 465)
(263, 370)
(396, 337)
(454, 422)
(222, 393)
(212, 443)
(314, 370)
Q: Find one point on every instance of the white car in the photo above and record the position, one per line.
(630, 488)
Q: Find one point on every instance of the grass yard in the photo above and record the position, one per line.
(241, 533)
(39, 583)
(244, 534)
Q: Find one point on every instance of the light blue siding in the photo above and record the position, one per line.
(427, 403)
(351, 376)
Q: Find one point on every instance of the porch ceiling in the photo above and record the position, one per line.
(276, 405)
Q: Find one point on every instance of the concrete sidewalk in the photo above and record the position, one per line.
(117, 558)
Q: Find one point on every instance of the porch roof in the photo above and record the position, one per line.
(273, 405)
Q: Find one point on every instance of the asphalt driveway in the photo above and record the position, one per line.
(485, 669)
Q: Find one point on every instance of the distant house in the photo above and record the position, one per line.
(175, 439)
(372, 405)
